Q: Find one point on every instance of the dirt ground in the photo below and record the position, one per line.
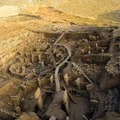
(55, 66)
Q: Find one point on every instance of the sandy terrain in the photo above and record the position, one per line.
(6, 11)
(95, 9)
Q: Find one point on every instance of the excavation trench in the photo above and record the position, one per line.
(60, 76)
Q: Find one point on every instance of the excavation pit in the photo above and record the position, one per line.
(58, 74)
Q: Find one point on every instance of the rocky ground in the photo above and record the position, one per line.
(58, 66)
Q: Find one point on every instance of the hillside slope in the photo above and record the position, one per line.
(95, 9)
(89, 7)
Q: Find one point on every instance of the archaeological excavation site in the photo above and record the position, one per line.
(59, 60)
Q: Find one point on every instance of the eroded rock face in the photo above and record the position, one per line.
(10, 45)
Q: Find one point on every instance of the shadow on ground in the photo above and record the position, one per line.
(110, 16)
